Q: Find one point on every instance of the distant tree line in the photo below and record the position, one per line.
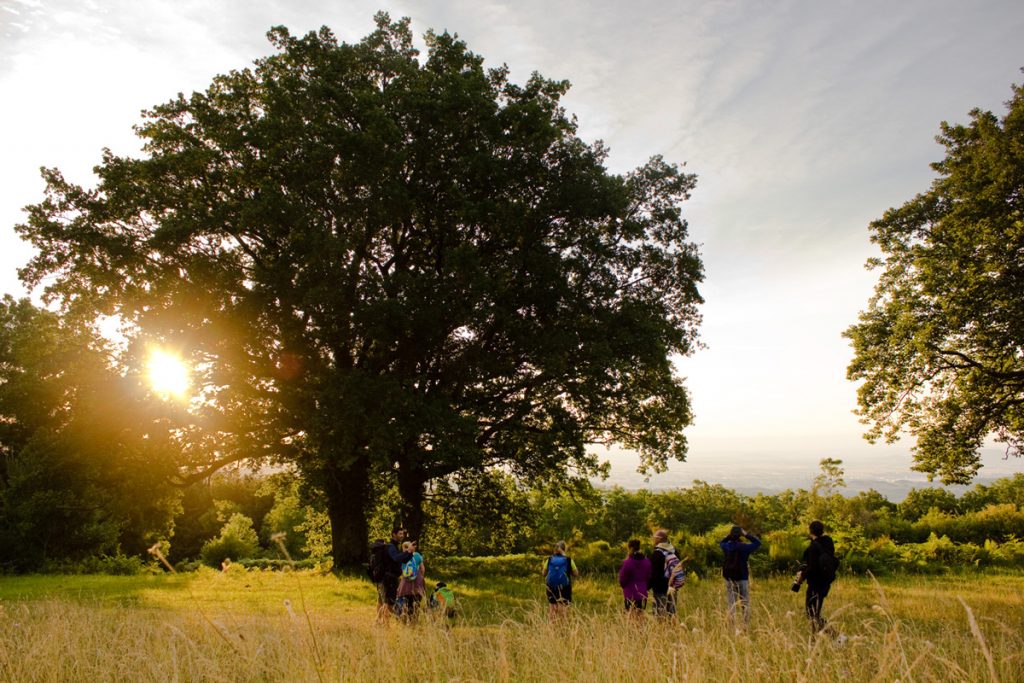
(235, 513)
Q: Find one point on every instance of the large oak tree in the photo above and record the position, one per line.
(940, 348)
(387, 265)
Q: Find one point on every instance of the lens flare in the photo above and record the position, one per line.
(168, 374)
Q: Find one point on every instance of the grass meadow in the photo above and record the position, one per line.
(304, 626)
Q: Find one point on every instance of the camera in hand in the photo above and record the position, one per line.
(798, 579)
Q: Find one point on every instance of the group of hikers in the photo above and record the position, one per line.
(661, 573)
(399, 572)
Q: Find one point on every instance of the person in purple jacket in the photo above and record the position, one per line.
(633, 577)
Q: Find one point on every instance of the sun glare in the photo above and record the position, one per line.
(168, 374)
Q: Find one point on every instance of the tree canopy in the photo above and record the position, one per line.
(940, 348)
(382, 265)
(80, 473)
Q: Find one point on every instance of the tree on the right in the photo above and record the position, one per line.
(939, 351)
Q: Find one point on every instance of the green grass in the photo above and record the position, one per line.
(238, 627)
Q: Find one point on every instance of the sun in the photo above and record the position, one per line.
(167, 373)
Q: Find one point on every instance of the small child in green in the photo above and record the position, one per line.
(443, 600)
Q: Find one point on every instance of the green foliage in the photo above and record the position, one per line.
(237, 541)
(287, 515)
(921, 501)
(75, 482)
(386, 264)
(208, 504)
(1007, 490)
(316, 529)
(477, 513)
(111, 565)
(937, 351)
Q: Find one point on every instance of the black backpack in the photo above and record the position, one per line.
(378, 560)
(828, 564)
(733, 567)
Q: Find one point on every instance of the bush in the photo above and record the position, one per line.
(115, 565)
(237, 541)
(276, 564)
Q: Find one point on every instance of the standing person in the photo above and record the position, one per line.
(394, 558)
(664, 600)
(558, 572)
(819, 571)
(412, 585)
(634, 575)
(736, 571)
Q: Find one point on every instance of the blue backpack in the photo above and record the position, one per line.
(559, 571)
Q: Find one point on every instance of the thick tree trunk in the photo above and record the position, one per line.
(411, 486)
(347, 494)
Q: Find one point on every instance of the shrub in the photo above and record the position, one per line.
(237, 541)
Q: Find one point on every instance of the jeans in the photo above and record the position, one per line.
(738, 590)
(664, 604)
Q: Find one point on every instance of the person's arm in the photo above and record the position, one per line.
(754, 541)
(397, 555)
(623, 577)
(572, 567)
(724, 545)
(544, 568)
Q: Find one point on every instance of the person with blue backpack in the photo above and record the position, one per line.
(736, 570)
(558, 572)
(412, 584)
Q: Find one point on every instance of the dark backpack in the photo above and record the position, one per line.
(378, 560)
(828, 564)
(559, 571)
(732, 569)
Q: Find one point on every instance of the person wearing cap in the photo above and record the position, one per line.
(736, 570)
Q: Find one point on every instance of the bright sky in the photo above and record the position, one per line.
(803, 121)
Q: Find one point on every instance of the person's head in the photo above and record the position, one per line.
(560, 548)
(661, 536)
(408, 546)
(735, 533)
(816, 528)
(414, 545)
(634, 545)
(398, 534)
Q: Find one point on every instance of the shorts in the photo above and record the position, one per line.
(560, 595)
(639, 605)
(390, 590)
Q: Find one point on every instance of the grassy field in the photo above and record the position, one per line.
(252, 626)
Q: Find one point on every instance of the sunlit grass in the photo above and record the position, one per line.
(239, 628)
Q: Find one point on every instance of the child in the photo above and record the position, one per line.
(412, 586)
(443, 600)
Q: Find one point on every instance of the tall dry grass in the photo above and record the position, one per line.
(907, 631)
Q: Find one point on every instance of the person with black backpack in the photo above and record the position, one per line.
(385, 570)
(819, 571)
(736, 570)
